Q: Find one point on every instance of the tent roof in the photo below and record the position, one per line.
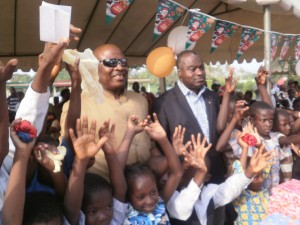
(132, 30)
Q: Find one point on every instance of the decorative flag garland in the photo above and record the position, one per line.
(297, 48)
(198, 25)
(275, 39)
(223, 30)
(287, 41)
(248, 38)
(169, 11)
(114, 8)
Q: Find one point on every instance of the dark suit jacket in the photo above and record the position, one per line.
(173, 109)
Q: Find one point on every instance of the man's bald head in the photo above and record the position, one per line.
(107, 51)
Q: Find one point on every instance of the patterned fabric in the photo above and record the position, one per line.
(285, 199)
(159, 216)
(278, 219)
(197, 104)
(251, 206)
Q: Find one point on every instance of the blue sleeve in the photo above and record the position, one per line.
(69, 158)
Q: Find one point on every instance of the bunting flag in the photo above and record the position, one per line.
(114, 8)
(167, 13)
(222, 31)
(287, 41)
(248, 38)
(275, 39)
(297, 48)
(198, 25)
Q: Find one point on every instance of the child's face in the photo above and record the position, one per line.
(144, 194)
(284, 125)
(99, 210)
(263, 122)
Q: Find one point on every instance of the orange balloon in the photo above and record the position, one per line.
(161, 61)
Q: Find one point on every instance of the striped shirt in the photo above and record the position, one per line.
(197, 104)
(12, 103)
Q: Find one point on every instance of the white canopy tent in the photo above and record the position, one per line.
(132, 30)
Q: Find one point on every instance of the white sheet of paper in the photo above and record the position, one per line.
(54, 22)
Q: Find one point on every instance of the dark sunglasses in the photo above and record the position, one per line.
(114, 62)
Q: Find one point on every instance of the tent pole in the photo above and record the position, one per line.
(267, 43)
(162, 85)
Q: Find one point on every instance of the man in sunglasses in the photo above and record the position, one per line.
(119, 104)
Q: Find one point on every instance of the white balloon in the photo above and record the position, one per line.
(298, 68)
(177, 39)
(286, 5)
(267, 2)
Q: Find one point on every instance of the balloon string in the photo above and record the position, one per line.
(184, 17)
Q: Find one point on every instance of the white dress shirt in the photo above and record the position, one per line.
(180, 205)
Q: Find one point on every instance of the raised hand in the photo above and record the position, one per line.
(261, 76)
(41, 157)
(22, 149)
(177, 140)
(253, 131)
(197, 152)
(261, 159)
(6, 71)
(110, 146)
(154, 129)
(84, 145)
(240, 109)
(135, 124)
(230, 83)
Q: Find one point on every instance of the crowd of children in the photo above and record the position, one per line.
(42, 183)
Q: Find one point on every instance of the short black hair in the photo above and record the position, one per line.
(41, 207)
(183, 53)
(134, 170)
(259, 105)
(93, 183)
(279, 112)
(295, 102)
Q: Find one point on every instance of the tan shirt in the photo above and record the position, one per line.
(118, 111)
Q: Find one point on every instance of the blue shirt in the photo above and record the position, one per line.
(197, 104)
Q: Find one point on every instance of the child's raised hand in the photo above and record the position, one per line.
(295, 149)
(154, 129)
(177, 141)
(253, 131)
(261, 159)
(109, 146)
(230, 83)
(261, 76)
(22, 149)
(41, 157)
(136, 125)
(6, 71)
(84, 145)
(196, 155)
(240, 109)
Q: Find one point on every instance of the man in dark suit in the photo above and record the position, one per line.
(193, 106)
